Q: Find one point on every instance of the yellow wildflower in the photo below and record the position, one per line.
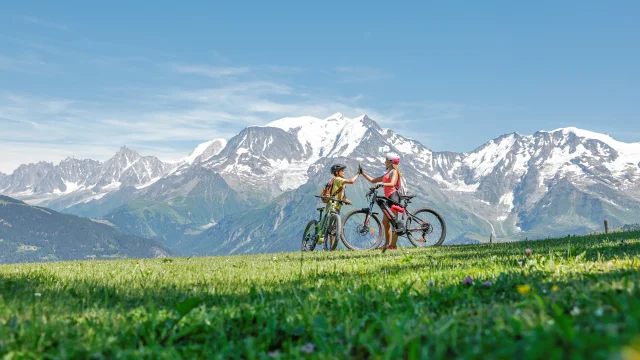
(629, 353)
(361, 272)
(524, 289)
(555, 288)
(632, 351)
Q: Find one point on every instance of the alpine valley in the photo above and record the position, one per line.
(256, 192)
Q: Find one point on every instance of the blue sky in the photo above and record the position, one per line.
(80, 79)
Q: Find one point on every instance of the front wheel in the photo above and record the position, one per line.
(426, 227)
(361, 230)
(334, 230)
(310, 236)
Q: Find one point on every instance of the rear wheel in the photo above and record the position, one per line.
(310, 236)
(426, 227)
(361, 230)
(334, 230)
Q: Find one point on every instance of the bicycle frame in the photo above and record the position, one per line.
(321, 228)
(322, 221)
(381, 201)
(382, 204)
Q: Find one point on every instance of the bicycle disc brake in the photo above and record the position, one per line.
(363, 229)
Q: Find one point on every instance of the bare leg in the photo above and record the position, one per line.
(394, 240)
(387, 232)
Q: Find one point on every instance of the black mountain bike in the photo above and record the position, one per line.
(424, 227)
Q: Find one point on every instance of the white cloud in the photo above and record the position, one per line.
(210, 71)
(361, 74)
(26, 63)
(164, 122)
(45, 23)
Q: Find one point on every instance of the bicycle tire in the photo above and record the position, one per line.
(350, 245)
(332, 221)
(308, 244)
(417, 242)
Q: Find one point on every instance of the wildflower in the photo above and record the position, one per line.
(361, 272)
(37, 294)
(487, 283)
(528, 252)
(520, 263)
(632, 351)
(629, 353)
(308, 348)
(613, 261)
(517, 312)
(273, 354)
(575, 311)
(599, 312)
(524, 289)
(555, 288)
(467, 281)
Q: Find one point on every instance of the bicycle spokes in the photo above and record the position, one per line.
(359, 232)
(424, 228)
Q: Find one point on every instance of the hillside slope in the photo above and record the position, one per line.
(32, 234)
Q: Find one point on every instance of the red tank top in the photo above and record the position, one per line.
(388, 190)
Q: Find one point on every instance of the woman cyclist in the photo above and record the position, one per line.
(390, 180)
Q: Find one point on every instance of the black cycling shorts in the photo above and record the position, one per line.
(395, 197)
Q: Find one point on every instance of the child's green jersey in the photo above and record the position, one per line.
(338, 192)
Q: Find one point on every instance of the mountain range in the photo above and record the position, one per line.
(32, 234)
(255, 192)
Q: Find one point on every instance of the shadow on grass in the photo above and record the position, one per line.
(67, 294)
(339, 298)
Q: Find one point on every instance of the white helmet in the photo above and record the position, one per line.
(394, 158)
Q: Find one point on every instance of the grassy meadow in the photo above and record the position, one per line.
(571, 298)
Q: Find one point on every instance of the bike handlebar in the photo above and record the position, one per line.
(333, 199)
(373, 189)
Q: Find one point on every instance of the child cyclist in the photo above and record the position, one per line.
(338, 189)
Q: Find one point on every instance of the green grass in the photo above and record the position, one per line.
(572, 298)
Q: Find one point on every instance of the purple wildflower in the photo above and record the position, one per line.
(467, 281)
(308, 348)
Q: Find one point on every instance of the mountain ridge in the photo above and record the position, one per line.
(497, 188)
(29, 233)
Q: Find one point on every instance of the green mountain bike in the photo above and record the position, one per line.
(327, 227)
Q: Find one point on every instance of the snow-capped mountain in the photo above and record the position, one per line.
(277, 156)
(3, 180)
(549, 183)
(205, 151)
(552, 182)
(74, 180)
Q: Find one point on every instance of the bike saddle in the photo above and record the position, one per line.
(408, 197)
(320, 209)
